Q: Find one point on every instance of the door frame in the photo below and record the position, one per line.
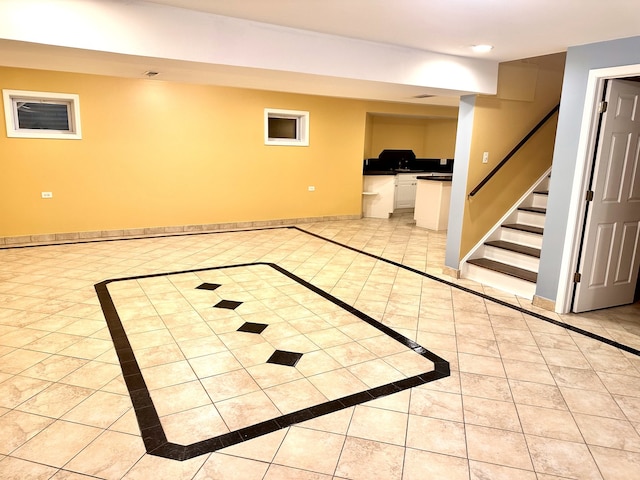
(585, 158)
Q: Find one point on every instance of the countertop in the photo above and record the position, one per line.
(393, 172)
(440, 178)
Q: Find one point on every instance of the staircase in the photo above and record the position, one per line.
(508, 257)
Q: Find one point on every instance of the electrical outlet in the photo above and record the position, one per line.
(312, 188)
(485, 157)
(47, 195)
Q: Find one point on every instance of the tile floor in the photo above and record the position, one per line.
(387, 373)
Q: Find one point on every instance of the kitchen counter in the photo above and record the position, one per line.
(387, 190)
(432, 202)
(379, 172)
(378, 195)
(435, 178)
(393, 172)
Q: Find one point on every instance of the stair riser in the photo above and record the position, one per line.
(544, 185)
(530, 218)
(538, 200)
(500, 281)
(492, 258)
(512, 258)
(523, 238)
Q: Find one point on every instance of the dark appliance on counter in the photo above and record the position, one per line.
(398, 161)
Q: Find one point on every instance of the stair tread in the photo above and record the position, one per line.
(533, 209)
(510, 270)
(515, 247)
(524, 228)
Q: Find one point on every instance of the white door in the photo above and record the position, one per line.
(611, 250)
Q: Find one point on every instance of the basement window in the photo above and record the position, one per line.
(42, 114)
(286, 127)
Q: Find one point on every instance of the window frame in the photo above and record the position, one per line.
(72, 101)
(302, 127)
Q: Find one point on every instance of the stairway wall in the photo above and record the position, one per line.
(623, 57)
(499, 124)
(498, 196)
(508, 257)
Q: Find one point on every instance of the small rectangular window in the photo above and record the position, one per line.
(42, 114)
(286, 127)
(283, 128)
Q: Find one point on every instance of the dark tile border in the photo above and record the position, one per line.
(153, 435)
(518, 308)
(567, 326)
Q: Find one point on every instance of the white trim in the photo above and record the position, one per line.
(585, 152)
(302, 127)
(10, 114)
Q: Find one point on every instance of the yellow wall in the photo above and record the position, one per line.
(427, 137)
(155, 153)
(499, 124)
(440, 140)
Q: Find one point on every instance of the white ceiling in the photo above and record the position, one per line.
(516, 28)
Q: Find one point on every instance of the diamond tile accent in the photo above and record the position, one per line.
(281, 357)
(228, 304)
(422, 366)
(251, 327)
(208, 286)
(209, 389)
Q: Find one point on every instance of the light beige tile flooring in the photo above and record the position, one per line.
(526, 399)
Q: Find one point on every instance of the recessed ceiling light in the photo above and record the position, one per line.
(151, 73)
(481, 48)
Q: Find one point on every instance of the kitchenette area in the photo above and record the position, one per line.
(397, 181)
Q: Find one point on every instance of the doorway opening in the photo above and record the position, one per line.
(587, 151)
(608, 255)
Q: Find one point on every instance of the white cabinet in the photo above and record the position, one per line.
(382, 194)
(432, 204)
(406, 185)
(377, 196)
